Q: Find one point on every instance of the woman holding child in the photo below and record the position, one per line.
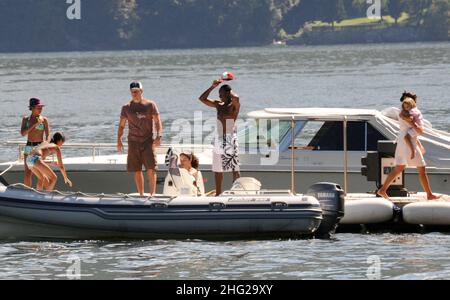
(409, 150)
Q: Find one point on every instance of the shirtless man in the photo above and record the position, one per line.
(225, 153)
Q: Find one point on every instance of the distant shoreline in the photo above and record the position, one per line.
(364, 35)
(291, 43)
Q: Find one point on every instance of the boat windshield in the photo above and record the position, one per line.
(310, 135)
(328, 136)
(263, 133)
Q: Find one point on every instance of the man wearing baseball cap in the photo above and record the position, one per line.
(144, 134)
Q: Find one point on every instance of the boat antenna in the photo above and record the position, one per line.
(293, 155)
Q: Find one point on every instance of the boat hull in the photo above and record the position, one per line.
(68, 217)
(17, 229)
(120, 181)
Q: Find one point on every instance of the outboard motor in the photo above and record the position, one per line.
(332, 201)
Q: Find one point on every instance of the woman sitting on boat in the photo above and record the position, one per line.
(190, 163)
(46, 177)
(34, 127)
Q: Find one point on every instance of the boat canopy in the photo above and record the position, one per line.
(314, 113)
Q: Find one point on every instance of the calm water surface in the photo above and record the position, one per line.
(348, 256)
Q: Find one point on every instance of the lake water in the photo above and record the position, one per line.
(348, 256)
(85, 91)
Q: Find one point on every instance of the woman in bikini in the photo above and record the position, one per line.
(34, 128)
(46, 177)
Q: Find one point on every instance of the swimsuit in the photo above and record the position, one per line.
(39, 127)
(32, 160)
(226, 153)
(30, 147)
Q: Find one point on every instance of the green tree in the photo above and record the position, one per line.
(332, 11)
(362, 6)
(280, 8)
(28, 25)
(417, 10)
(341, 12)
(298, 15)
(395, 9)
(436, 21)
(205, 23)
(99, 27)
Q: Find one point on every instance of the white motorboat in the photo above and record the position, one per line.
(320, 155)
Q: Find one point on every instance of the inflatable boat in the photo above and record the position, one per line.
(243, 211)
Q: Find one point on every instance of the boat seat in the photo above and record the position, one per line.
(183, 183)
(180, 182)
(200, 184)
(246, 186)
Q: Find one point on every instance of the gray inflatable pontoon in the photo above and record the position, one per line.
(29, 214)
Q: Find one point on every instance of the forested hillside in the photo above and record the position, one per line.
(60, 25)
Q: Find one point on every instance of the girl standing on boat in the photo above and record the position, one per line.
(403, 157)
(46, 177)
(34, 128)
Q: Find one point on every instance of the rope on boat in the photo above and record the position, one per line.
(78, 194)
(24, 187)
(102, 195)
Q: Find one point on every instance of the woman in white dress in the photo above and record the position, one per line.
(403, 157)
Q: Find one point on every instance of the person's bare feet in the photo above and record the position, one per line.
(413, 154)
(434, 197)
(383, 194)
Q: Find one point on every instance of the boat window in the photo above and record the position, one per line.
(304, 139)
(254, 134)
(330, 137)
(373, 136)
